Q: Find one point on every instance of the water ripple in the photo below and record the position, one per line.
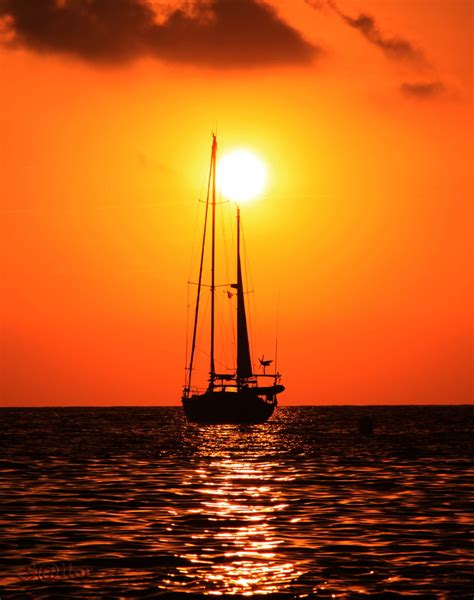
(136, 502)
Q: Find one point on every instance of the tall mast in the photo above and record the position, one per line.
(196, 313)
(213, 256)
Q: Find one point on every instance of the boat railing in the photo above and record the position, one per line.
(272, 375)
(189, 391)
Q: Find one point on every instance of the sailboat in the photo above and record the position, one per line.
(240, 396)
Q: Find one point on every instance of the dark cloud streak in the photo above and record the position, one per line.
(215, 33)
(423, 90)
(396, 48)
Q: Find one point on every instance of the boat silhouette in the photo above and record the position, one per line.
(240, 396)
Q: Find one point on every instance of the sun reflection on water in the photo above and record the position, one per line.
(241, 499)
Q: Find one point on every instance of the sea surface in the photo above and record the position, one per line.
(137, 503)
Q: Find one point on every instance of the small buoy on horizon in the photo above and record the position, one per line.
(365, 425)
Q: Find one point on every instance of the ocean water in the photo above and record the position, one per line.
(137, 503)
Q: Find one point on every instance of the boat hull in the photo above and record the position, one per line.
(219, 407)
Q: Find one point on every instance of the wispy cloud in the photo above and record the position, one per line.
(423, 90)
(396, 48)
(215, 33)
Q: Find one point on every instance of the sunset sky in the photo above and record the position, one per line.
(362, 112)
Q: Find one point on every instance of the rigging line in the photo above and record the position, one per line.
(232, 279)
(253, 301)
(276, 332)
(198, 210)
(230, 311)
(193, 248)
(225, 227)
(223, 334)
(198, 296)
(230, 347)
(227, 316)
(187, 336)
(248, 277)
(224, 243)
(202, 319)
(207, 355)
(207, 285)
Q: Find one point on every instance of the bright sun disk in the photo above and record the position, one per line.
(241, 175)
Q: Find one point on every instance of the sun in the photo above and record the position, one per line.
(241, 175)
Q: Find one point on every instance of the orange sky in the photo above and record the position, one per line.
(365, 230)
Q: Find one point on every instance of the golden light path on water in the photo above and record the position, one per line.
(241, 500)
(246, 493)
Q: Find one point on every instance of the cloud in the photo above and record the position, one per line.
(215, 33)
(393, 47)
(396, 48)
(423, 90)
